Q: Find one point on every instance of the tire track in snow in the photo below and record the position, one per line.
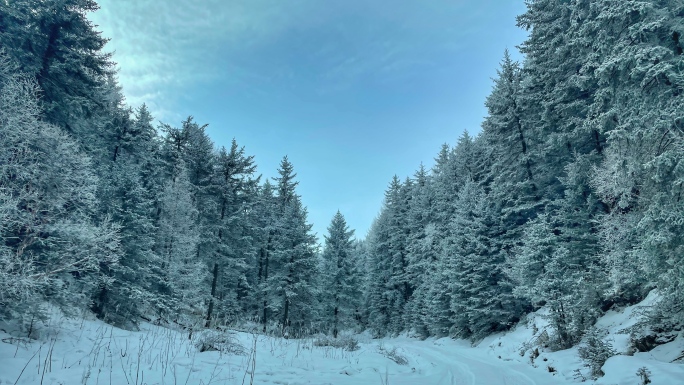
(466, 370)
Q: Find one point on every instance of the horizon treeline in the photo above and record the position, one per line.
(568, 198)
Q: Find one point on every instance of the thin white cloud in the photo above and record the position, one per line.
(162, 45)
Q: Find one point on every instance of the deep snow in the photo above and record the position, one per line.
(72, 351)
(91, 352)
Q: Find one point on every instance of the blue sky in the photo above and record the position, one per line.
(351, 91)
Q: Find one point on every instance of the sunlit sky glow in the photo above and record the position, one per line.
(352, 91)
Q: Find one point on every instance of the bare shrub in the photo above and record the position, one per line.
(216, 340)
(347, 343)
(393, 354)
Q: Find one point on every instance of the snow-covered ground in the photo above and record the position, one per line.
(94, 353)
(91, 352)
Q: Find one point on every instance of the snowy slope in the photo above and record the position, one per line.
(519, 344)
(90, 352)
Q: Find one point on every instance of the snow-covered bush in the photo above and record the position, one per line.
(393, 354)
(51, 246)
(595, 352)
(347, 343)
(216, 340)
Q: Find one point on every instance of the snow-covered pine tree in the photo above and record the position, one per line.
(182, 290)
(422, 250)
(391, 286)
(339, 290)
(200, 162)
(511, 177)
(128, 189)
(547, 273)
(265, 229)
(233, 187)
(378, 276)
(443, 182)
(444, 179)
(293, 264)
(481, 298)
(362, 270)
(54, 43)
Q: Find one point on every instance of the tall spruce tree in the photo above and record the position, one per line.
(265, 220)
(233, 187)
(378, 276)
(392, 288)
(182, 272)
(422, 250)
(339, 290)
(129, 190)
(293, 266)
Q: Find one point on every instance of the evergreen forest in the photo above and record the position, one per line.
(568, 198)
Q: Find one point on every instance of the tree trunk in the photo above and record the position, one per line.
(597, 141)
(265, 316)
(335, 320)
(213, 295)
(289, 283)
(523, 144)
(48, 54)
(286, 313)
